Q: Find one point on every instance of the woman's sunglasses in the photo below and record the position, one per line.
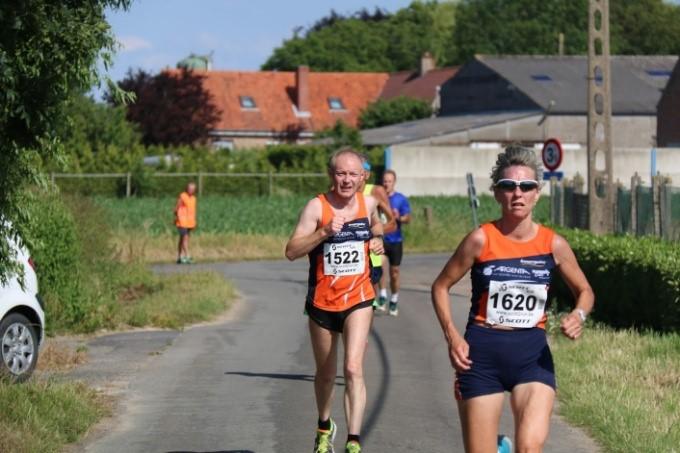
(509, 185)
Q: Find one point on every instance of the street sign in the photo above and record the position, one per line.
(552, 154)
(553, 174)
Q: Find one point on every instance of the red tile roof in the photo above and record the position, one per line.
(408, 83)
(274, 94)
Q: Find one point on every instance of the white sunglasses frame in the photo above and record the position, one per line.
(518, 183)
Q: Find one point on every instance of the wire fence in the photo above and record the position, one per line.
(160, 184)
(638, 210)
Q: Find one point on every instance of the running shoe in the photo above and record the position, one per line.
(504, 444)
(352, 447)
(394, 310)
(324, 439)
(381, 306)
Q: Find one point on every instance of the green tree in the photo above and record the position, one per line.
(397, 110)
(48, 49)
(171, 108)
(378, 42)
(533, 27)
(90, 131)
(342, 135)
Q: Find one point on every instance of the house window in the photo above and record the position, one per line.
(247, 102)
(223, 144)
(335, 104)
(541, 77)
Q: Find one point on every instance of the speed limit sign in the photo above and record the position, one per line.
(552, 154)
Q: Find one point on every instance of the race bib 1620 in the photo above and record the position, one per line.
(515, 303)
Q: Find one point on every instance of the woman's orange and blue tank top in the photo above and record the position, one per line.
(339, 274)
(510, 279)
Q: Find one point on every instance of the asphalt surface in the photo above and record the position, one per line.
(244, 383)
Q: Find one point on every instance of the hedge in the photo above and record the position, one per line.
(636, 280)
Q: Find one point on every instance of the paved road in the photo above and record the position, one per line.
(245, 384)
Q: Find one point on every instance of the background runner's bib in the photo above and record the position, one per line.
(515, 303)
(346, 258)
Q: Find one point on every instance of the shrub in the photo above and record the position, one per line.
(79, 279)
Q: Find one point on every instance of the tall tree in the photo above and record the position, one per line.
(392, 111)
(171, 108)
(370, 42)
(92, 131)
(533, 26)
(48, 49)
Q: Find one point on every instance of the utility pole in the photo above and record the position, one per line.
(600, 156)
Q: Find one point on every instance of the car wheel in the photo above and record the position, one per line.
(19, 344)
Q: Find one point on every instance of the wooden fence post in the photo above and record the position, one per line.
(429, 217)
(271, 183)
(128, 185)
(579, 183)
(656, 184)
(200, 183)
(634, 183)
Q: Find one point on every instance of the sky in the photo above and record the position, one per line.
(242, 34)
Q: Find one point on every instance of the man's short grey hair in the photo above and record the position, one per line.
(516, 155)
(332, 161)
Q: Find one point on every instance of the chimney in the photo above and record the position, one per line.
(302, 89)
(427, 63)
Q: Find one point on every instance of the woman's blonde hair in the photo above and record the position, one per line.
(516, 155)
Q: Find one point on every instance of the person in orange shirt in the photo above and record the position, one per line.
(511, 262)
(185, 220)
(336, 230)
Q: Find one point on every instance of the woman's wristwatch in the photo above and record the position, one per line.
(582, 314)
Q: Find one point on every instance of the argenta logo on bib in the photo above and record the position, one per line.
(511, 270)
(488, 270)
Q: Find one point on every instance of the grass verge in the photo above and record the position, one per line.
(623, 387)
(174, 301)
(44, 416)
(203, 246)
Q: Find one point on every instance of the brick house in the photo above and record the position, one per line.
(269, 107)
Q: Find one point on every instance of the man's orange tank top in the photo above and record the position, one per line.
(503, 260)
(339, 273)
(186, 212)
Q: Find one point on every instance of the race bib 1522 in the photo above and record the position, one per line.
(345, 258)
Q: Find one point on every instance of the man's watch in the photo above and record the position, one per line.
(582, 314)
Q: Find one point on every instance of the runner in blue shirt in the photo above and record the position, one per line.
(393, 243)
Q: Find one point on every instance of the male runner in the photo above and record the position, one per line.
(394, 241)
(336, 230)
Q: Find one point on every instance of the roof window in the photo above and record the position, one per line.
(335, 104)
(247, 102)
(541, 77)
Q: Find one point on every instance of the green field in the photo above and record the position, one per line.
(277, 215)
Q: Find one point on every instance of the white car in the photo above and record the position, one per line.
(22, 322)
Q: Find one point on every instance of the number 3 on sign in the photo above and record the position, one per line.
(552, 154)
